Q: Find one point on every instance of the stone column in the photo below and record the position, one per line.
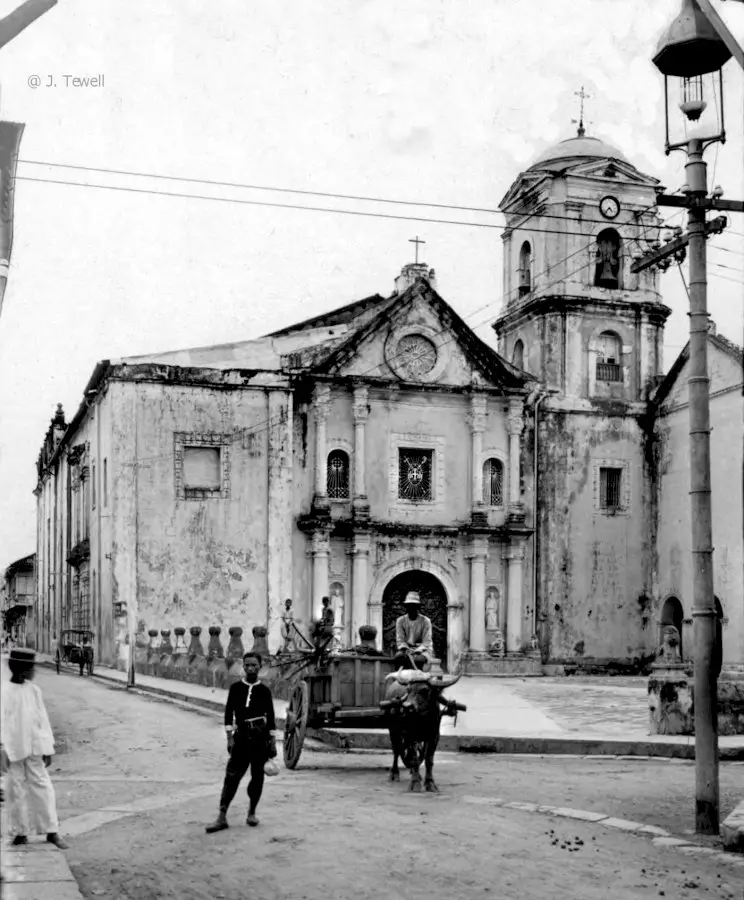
(514, 556)
(515, 424)
(477, 427)
(478, 556)
(321, 402)
(360, 409)
(320, 552)
(279, 515)
(359, 613)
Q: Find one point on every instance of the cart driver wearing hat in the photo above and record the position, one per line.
(413, 635)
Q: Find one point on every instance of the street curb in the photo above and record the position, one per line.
(732, 830)
(351, 739)
(660, 837)
(37, 869)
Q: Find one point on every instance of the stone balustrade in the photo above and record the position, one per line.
(156, 654)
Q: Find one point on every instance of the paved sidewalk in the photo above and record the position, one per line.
(37, 871)
(583, 716)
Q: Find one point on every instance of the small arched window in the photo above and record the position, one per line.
(608, 255)
(338, 475)
(518, 355)
(525, 269)
(609, 353)
(493, 482)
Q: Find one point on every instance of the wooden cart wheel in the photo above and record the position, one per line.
(58, 661)
(295, 725)
(90, 665)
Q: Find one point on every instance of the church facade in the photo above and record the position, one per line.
(533, 497)
(357, 456)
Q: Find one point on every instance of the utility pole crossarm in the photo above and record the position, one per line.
(14, 23)
(715, 226)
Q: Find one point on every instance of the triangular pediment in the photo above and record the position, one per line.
(527, 183)
(613, 170)
(418, 338)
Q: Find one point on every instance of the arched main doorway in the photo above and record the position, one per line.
(433, 604)
(673, 614)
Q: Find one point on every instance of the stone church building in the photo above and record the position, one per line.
(383, 447)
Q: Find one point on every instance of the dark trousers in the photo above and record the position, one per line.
(403, 660)
(249, 751)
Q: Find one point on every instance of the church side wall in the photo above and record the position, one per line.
(199, 561)
(595, 568)
(675, 538)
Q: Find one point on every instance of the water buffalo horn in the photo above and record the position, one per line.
(444, 681)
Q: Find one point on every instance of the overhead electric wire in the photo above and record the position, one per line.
(328, 194)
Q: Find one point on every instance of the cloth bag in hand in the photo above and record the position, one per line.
(271, 767)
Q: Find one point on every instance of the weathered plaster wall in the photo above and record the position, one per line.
(594, 568)
(675, 538)
(200, 562)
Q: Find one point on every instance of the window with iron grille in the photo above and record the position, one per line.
(415, 474)
(81, 603)
(609, 352)
(610, 484)
(337, 477)
(493, 482)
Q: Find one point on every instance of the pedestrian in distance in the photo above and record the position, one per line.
(251, 742)
(26, 754)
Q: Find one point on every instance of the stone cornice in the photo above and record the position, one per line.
(656, 312)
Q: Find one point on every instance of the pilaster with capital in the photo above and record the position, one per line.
(513, 555)
(359, 613)
(360, 410)
(478, 556)
(321, 404)
(320, 551)
(515, 426)
(477, 420)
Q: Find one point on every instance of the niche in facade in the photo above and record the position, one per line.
(525, 269)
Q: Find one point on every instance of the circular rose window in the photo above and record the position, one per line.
(416, 355)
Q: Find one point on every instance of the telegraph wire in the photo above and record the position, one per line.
(330, 195)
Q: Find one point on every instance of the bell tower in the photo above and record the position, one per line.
(574, 315)
(591, 332)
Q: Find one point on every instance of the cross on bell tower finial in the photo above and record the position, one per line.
(416, 241)
(580, 131)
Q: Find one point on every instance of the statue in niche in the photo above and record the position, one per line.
(492, 610)
(288, 644)
(337, 598)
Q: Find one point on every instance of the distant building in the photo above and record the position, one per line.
(18, 601)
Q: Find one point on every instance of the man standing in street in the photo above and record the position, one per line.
(26, 754)
(250, 725)
(413, 634)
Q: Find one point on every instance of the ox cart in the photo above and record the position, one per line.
(76, 649)
(346, 689)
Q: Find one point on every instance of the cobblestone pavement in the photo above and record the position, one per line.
(138, 779)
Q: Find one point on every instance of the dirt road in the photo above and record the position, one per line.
(138, 779)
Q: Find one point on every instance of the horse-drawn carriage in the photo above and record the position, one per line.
(75, 649)
(346, 688)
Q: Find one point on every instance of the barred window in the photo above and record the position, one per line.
(337, 477)
(493, 482)
(81, 603)
(609, 354)
(415, 474)
(610, 484)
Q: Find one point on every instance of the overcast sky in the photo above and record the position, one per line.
(438, 101)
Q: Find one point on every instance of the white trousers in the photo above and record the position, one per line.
(30, 798)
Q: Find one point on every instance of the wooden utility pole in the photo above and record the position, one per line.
(10, 136)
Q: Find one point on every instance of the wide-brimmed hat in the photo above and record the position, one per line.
(412, 599)
(23, 656)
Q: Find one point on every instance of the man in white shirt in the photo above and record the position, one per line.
(26, 753)
(413, 635)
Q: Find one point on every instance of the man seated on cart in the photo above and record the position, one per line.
(413, 641)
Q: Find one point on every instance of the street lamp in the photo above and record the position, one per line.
(691, 51)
